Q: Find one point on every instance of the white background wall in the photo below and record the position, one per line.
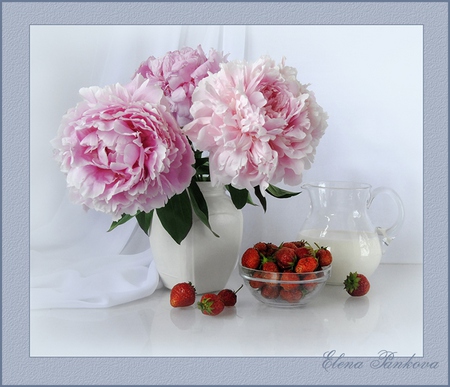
(367, 78)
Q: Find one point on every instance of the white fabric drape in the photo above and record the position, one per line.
(76, 263)
(367, 78)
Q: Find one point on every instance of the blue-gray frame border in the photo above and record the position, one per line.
(20, 369)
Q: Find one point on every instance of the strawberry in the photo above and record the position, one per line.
(251, 258)
(302, 252)
(286, 258)
(261, 247)
(290, 245)
(257, 284)
(309, 287)
(210, 304)
(182, 294)
(356, 284)
(228, 296)
(289, 276)
(323, 256)
(270, 267)
(301, 243)
(271, 249)
(266, 249)
(306, 265)
(271, 292)
(271, 272)
(292, 296)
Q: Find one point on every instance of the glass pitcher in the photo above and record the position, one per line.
(338, 219)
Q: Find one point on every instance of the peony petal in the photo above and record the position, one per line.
(122, 149)
(257, 121)
(179, 95)
(90, 140)
(131, 154)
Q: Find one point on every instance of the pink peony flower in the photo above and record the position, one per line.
(122, 149)
(258, 123)
(178, 73)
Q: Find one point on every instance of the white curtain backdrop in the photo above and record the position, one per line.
(367, 78)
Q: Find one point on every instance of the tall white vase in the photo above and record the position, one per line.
(203, 259)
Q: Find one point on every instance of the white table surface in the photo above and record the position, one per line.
(389, 317)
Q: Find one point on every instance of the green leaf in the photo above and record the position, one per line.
(201, 166)
(239, 197)
(176, 216)
(280, 193)
(144, 220)
(202, 170)
(250, 200)
(201, 161)
(125, 218)
(261, 198)
(199, 205)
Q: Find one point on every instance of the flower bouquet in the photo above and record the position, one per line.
(130, 150)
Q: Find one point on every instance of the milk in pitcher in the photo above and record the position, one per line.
(351, 251)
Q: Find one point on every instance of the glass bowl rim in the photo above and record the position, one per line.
(325, 274)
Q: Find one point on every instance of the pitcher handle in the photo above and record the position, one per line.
(388, 234)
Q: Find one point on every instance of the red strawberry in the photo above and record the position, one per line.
(271, 292)
(270, 266)
(266, 249)
(356, 284)
(290, 245)
(182, 294)
(251, 258)
(302, 252)
(271, 249)
(306, 265)
(261, 247)
(257, 284)
(286, 258)
(292, 296)
(323, 256)
(309, 286)
(210, 304)
(301, 243)
(289, 276)
(271, 272)
(228, 296)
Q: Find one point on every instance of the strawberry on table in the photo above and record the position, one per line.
(356, 285)
(182, 294)
(228, 296)
(210, 304)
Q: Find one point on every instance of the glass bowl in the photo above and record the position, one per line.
(277, 289)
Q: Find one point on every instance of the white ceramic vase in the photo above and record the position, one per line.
(202, 258)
